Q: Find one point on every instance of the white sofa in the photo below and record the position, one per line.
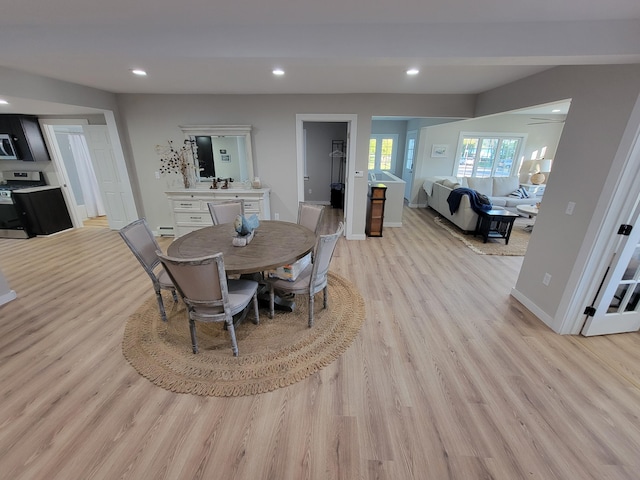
(498, 189)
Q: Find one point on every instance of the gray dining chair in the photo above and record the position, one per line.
(225, 212)
(310, 216)
(208, 294)
(139, 238)
(312, 279)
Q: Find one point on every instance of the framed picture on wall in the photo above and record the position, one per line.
(439, 150)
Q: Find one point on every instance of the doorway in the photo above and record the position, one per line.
(102, 176)
(73, 148)
(319, 164)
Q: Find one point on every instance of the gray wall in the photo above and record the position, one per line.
(153, 119)
(602, 99)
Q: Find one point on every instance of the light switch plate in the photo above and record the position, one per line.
(570, 207)
(359, 173)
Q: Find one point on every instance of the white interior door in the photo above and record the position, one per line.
(409, 163)
(112, 176)
(617, 305)
(49, 134)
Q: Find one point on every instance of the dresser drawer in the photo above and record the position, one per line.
(252, 206)
(194, 204)
(191, 218)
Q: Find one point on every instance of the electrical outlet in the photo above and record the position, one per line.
(157, 175)
(570, 207)
(547, 279)
(276, 216)
(310, 191)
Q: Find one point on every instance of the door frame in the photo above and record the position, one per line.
(612, 210)
(119, 164)
(352, 128)
(47, 126)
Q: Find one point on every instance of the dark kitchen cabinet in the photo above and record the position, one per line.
(43, 210)
(27, 136)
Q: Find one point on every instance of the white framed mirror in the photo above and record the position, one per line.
(223, 151)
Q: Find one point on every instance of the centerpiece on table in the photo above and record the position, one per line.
(245, 229)
(180, 160)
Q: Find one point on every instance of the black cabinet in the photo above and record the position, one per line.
(27, 136)
(43, 210)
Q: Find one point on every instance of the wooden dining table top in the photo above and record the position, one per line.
(275, 243)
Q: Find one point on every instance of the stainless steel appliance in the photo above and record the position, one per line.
(12, 221)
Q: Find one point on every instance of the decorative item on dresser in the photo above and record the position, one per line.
(191, 212)
(180, 160)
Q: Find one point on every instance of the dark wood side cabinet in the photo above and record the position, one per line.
(375, 209)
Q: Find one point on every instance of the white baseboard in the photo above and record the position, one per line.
(533, 308)
(7, 297)
(392, 224)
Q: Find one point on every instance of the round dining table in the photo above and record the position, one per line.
(275, 243)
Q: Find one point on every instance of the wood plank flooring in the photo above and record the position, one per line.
(449, 378)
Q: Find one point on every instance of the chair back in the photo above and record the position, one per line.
(201, 282)
(139, 238)
(225, 212)
(310, 216)
(323, 253)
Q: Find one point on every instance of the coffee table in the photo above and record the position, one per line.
(531, 211)
(495, 223)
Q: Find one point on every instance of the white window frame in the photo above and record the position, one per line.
(379, 137)
(517, 160)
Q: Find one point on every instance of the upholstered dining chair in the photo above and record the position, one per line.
(139, 238)
(312, 279)
(226, 212)
(310, 216)
(208, 295)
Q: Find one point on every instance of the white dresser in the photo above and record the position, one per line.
(190, 211)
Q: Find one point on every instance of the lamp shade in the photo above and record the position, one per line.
(545, 165)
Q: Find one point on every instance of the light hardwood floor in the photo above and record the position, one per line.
(449, 378)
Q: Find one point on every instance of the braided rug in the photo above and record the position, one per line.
(276, 353)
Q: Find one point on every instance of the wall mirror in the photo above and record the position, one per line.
(224, 151)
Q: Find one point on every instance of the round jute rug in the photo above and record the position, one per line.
(276, 353)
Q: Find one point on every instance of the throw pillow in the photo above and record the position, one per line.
(519, 193)
(448, 183)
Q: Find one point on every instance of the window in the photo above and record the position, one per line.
(411, 147)
(487, 155)
(382, 152)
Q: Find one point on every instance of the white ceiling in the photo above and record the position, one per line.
(329, 46)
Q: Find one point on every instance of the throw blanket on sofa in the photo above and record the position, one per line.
(479, 202)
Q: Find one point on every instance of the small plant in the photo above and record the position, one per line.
(180, 160)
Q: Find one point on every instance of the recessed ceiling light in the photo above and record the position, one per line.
(139, 72)
(413, 71)
(3, 102)
(278, 71)
(556, 110)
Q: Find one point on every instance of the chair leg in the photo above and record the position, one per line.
(311, 302)
(175, 296)
(194, 340)
(271, 301)
(324, 297)
(232, 332)
(163, 314)
(256, 314)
